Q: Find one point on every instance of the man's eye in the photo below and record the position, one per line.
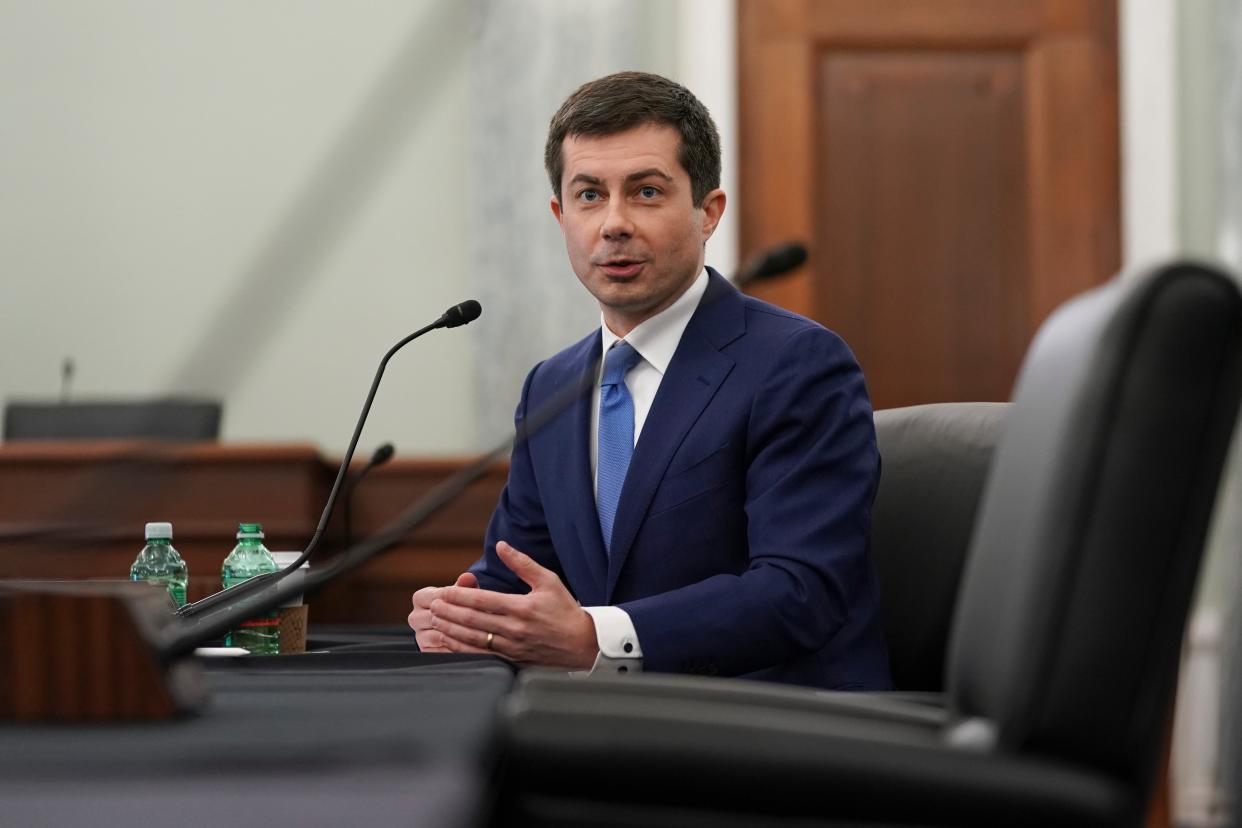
(589, 195)
(648, 192)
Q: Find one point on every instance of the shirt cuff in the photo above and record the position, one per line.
(619, 650)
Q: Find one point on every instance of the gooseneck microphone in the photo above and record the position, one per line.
(454, 317)
(381, 456)
(770, 263)
(378, 458)
(66, 378)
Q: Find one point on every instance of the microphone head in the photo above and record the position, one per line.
(775, 261)
(382, 455)
(461, 314)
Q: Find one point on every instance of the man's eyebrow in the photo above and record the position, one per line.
(649, 173)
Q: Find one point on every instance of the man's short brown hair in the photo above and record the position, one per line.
(620, 102)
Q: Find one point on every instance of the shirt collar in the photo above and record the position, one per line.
(656, 338)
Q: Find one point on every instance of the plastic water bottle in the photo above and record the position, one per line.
(159, 563)
(259, 635)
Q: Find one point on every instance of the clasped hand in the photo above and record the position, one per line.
(544, 627)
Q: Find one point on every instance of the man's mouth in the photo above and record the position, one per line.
(621, 268)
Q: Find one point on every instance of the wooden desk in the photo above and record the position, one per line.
(77, 509)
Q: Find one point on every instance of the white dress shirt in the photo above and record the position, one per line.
(656, 340)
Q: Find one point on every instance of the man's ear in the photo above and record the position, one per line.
(713, 208)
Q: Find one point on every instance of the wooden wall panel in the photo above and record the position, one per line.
(927, 147)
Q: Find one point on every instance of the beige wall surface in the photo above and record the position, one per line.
(246, 201)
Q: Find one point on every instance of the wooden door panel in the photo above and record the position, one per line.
(953, 165)
(927, 147)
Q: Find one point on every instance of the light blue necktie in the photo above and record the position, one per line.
(616, 434)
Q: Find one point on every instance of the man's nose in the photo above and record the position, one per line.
(617, 224)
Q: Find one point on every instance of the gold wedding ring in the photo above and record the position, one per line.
(490, 636)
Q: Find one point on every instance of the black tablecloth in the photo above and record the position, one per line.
(383, 735)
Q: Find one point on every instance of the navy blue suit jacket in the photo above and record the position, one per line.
(741, 537)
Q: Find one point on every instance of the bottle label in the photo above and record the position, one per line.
(260, 622)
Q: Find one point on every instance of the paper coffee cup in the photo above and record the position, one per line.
(292, 613)
(283, 559)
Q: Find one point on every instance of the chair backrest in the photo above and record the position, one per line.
(935, 459)
(154, 419)
(1082, 566)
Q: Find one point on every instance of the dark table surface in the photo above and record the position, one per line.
(372, 732)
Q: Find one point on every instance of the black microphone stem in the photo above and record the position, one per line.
(245, 587)
(379, 457)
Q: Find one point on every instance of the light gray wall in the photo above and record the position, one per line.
(529, 56)
(1147, 32)
(243, 200)
(1199, 33)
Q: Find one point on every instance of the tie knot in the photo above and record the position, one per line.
(620, 358)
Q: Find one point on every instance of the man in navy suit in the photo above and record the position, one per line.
(704, 505)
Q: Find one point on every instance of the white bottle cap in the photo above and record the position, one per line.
(159, 530)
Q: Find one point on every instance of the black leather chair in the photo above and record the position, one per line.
(1065, 642)
(935, 461)
(154, 420)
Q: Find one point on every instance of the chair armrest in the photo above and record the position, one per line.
(686, 748)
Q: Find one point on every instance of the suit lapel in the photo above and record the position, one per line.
(580, 480)
(693, 377)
